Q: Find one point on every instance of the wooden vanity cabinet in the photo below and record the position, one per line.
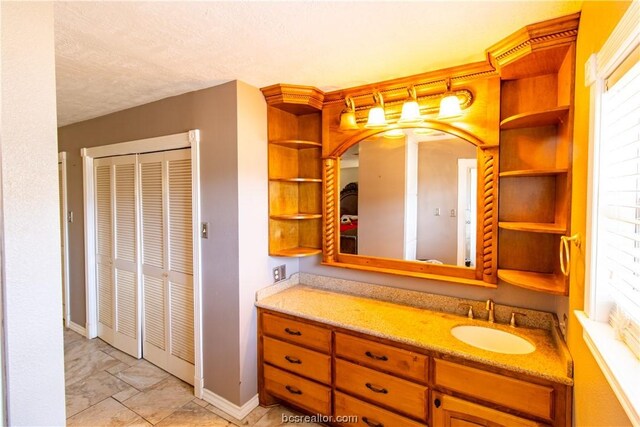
(449, 411)
(318, 368)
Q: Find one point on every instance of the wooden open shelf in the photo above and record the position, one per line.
(296, 179)
(546, 117)
(544, 282)
(296, 216)
(296, 143)
(534, 172)
(299, 251)
(533, 227)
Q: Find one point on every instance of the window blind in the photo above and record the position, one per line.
(619, 201)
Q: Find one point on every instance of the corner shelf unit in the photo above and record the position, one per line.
(536, 138)
(295, 170)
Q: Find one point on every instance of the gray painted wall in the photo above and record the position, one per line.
(232, 123)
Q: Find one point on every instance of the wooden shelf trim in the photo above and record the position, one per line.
(296, 252)
(544, 282)
(296, 216)
(533, 227)
(548, 117)
(296, 143)
(533, 172)
(295, 179)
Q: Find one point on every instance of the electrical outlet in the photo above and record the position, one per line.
(279, 273)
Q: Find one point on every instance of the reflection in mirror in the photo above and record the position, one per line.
(410, 196)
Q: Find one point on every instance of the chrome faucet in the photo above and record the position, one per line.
(489, 307)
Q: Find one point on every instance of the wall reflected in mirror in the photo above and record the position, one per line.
(410, 196)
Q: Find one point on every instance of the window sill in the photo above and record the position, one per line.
(620, 367)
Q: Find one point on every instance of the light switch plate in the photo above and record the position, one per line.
(204, 230)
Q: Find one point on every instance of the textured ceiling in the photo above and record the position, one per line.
(115, 55)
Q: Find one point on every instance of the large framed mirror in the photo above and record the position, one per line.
(414, 200)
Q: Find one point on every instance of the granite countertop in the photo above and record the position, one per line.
(422, 328)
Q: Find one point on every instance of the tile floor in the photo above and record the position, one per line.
(106, 387)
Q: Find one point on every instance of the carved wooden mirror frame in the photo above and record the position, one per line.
(478, 125)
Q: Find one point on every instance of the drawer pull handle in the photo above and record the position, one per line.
(437, 403)
(292, 332)
(293, 360)
(293, 390)
(376, 356)
(372, 423)
(376, 389)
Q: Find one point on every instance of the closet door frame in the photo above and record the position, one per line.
(190, 139)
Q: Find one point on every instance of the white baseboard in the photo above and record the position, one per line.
(77, 328)
(198, 387)
(238, 412)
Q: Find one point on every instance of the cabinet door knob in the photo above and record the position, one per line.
(376, 356)
(293, 390)
(371, 423)
(292, 332)
(376, 389)
(437, 403)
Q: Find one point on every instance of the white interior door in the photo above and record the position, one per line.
(117, 263)
(167, 261)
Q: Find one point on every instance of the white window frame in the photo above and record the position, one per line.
(190, 139)
(619, 366)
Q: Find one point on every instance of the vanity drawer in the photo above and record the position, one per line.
(311, 396)
(525, 397)
(368, 414)
(387, 390)
(370, 353)
(297, 332)
(308, 363)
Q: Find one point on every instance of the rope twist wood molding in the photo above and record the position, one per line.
(329, 215)
(487, 219)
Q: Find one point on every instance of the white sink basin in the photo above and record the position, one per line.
(492, 339)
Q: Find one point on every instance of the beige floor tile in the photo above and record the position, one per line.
(200, 402)
(158, 402)
(193, 414)
(125, 394)
(91, 390)
(71, 336)
(121, 356)
(275, 417)
(87, 364)
(142, 375)
(121, 366)
(107, 413)
(249, 420)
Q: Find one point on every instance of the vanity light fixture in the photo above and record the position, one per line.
(377, 117)
(394, 133)
(449, 104)
(410, 108)
(348, 116)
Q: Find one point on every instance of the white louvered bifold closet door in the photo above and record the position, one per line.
(104, 244)
(127, 333)
(167, 261)
(117, 271)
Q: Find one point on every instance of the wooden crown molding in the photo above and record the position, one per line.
(294, 98)
(426, 85)
(550, 33)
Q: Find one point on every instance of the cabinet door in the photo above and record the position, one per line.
(453, 412)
